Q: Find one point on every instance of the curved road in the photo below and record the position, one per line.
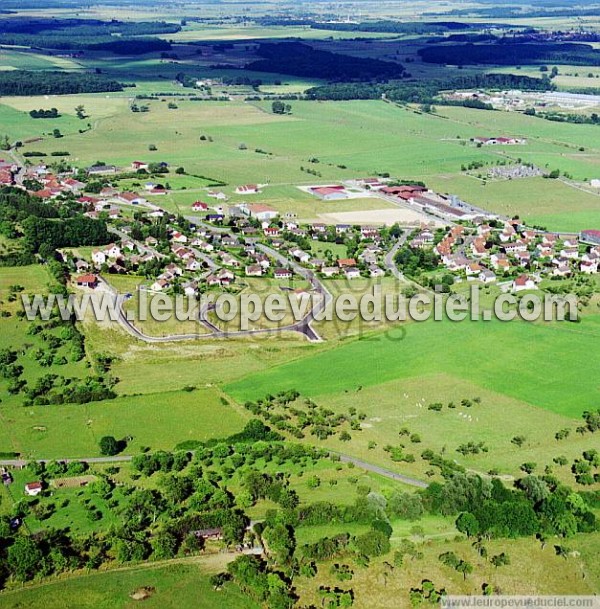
(303, 326)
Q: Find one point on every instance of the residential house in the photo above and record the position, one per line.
(190, 288)
(523, 282)
(87, 281)
(98, 257)
(74, 186)
(487, 276)
(179, 237)
(160, 284)
(562, 271)
(193, 265)
(352, 273)
(271, 231)
(173, 269)
(112, 251)
(473, 269)
(572, 253)
(130, 198)
(281, 273)
(330, 271)
(228, 259)
(300, 255)
(588, 267)
(32, 489)
(254, 270)
(199, 206)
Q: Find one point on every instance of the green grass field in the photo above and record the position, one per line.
(178, 585)
(549, 203)
(159, 420)
(349, 139)
(508, 358)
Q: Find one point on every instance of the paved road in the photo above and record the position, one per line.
(142, 247)
(390, 264)
(210, 263)
(382, 471)
(376, 469)
(303, 326)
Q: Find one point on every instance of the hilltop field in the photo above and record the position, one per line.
(241, 142)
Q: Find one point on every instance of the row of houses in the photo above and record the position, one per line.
(487, 253)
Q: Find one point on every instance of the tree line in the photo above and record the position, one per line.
(426, 91)
(506, 53)
(299, 59)
(27, 82)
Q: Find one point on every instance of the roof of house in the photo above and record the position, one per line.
(522, 280)
(592, 232)
(258, 208)
(87, 279)
(328, 190)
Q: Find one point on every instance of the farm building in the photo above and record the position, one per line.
(590, 236)
(330, 193)
(248, 189)
(260, 212)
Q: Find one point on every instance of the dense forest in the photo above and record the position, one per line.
(45, 226)
(79, 34)
(25, 82)
(426, 92)
(382, 25)
(300, 59)
(508, 53)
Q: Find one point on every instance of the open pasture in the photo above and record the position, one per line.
(496, 420)
(168, 418)
(508, 358)
(175, 585)
(551, 203)
(244, 142)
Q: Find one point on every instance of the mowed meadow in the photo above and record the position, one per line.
(244, 142)
(550, 365)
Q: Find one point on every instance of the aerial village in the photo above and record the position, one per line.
(216, 245)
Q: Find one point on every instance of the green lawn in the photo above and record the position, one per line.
(159, 420)
(509, 358)
(178, 585)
